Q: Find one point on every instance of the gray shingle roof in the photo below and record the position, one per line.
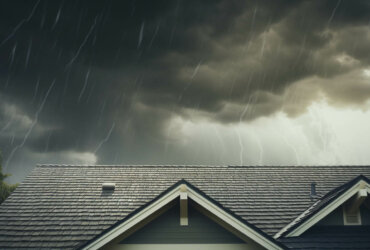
(63, 206)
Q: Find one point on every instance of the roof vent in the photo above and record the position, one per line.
(313, 189)
(353, 218)
(108, 186)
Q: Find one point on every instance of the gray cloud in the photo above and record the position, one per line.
(135, 65)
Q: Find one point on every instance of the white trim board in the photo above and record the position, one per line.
(200, 200)
(361, 184)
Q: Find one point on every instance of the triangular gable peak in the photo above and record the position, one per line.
(353, 193)
(183, 190)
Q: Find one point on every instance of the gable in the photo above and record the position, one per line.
(166, 230)
(342, 206)
(115, 236)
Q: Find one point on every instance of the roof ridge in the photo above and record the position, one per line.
(195, 165)
(126, 165)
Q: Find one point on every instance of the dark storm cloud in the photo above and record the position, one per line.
(133, 65)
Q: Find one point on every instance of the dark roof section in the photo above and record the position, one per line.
(331, 237)
(183, 181)
(322, 203)
(64, 206)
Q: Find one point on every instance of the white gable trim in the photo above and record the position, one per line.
(323, 212)
(200, 200)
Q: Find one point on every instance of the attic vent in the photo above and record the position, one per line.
(108, 186)
(353, 218)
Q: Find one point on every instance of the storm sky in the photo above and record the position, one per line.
(216, 82)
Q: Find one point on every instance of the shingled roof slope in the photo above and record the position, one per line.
(63, 206)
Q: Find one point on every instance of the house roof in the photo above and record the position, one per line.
(63, 206)
(320, 204)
